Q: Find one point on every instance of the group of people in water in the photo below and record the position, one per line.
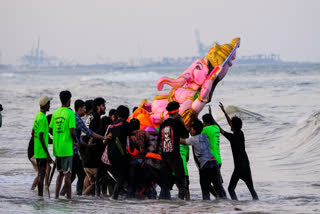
(112, 156)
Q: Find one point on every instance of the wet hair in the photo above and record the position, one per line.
(134, 108)
(112, 112)
(197, 126)
(97, 102)
(78, 104)
(207, 118)
(134, 124)
(1, 109)
(172, 106)
(236, 123)
(49, 116)
(89, 105)
(123, 112)
(65, 96)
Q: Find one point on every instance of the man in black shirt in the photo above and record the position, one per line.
(171, 130)
(91, 152)
(241, 162)
(119, 131)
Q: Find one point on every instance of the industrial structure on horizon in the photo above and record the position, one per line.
(252, 59)
(38, 58)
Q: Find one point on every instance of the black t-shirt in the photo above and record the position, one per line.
(171, 130)
(237, 142)
(120, 129)
(91, 155)
(95, 122)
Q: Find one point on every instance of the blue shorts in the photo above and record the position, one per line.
(64, 164)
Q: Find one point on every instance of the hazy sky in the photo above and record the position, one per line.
(104, 30)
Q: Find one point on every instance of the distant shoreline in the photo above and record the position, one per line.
(121, 66)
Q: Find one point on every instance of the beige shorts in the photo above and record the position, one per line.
(34, 163)
(91, 173)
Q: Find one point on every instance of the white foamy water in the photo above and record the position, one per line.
(279, 105)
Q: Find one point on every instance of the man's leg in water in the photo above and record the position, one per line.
(148, 180)
(86, 184)
(92, 177)
(213, 191)
(122, 171)
(180, 176)
(165, 172)
(204, 183)
(80, 174)
(34, 165)
(187, 188)
(216, 180)
(58, 183)
(247, 178)
(64, 166)
(42, 163)
(99, 180)
(133, 168)
(67, 182)
(35, 182)
(73, 177)
(233, 183)
(77, 171)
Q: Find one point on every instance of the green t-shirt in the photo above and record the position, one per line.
(40, 125)
(213, 133)
(184, 153)
(63, 119)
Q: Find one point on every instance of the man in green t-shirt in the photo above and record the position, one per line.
(62, 125)
(213, 133)
(184, 153)
(40, 133)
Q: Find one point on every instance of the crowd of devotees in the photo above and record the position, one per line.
(111, 156)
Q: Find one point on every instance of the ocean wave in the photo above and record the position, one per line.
(124, 77)
(298, 148)
(8, 75)
(242, 113)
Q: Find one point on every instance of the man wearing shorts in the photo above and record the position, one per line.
(63, 124)
(40, 134)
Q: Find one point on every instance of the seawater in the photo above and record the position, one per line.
(279, 105)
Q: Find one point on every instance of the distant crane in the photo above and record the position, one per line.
(37, 57)
(202, 48)
(253, 59)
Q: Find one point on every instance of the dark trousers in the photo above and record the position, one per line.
(151, 177)
(134, 172)
(120, 168)
(169, 165)
(210, 173)
(243, 173)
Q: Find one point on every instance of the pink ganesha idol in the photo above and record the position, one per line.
(193, 89)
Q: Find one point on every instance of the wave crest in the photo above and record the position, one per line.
(242, 113)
